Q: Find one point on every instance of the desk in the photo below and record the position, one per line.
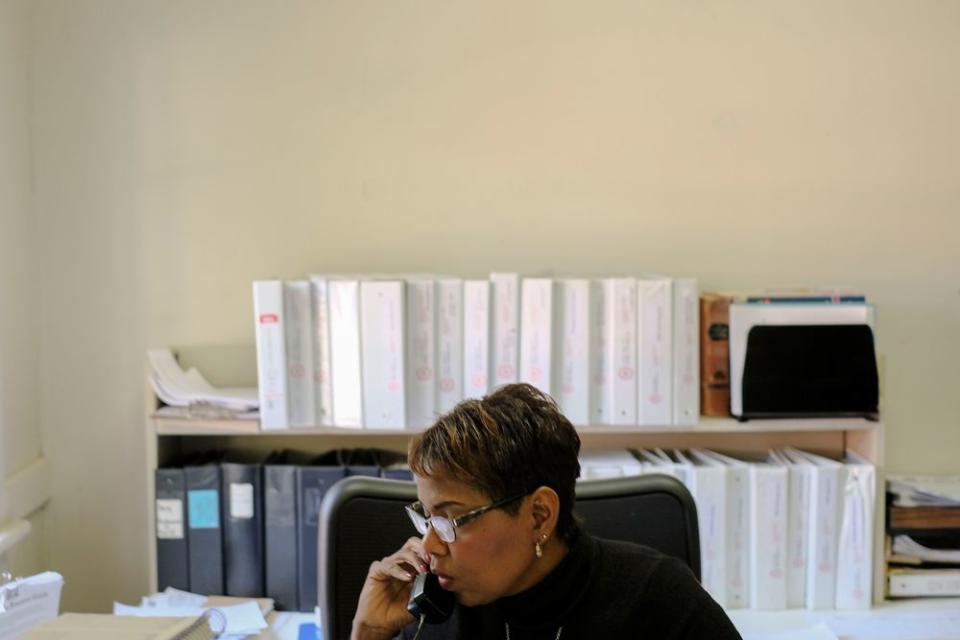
(285, 625)
(915, 619)
(896, 620)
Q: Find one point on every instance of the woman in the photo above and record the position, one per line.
(496, 479)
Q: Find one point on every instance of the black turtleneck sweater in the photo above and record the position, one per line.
(601, 589)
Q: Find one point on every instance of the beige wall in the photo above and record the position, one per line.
(184, 149)
(19, 334)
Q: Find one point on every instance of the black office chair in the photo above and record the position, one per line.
(362, 520)
(653, 510)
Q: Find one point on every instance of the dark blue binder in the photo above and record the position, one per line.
(281, 552)
(241, 500)
(371, 470)
(171, 521)
(204, 536)
(397, 472)
(313, 482)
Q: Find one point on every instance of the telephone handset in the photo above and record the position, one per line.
(429, 600)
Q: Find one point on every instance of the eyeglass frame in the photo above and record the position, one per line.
(416, 517)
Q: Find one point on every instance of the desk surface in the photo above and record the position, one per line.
(285, 625)
(913, 619)
(917, 619)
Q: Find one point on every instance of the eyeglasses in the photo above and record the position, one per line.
(446, 528)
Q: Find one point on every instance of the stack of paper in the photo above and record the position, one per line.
(28, 602)
(190, 392)
(932, 491)
(234, 620)
(907, 546)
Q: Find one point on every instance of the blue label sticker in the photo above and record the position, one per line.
(204, 509)
(309, 631)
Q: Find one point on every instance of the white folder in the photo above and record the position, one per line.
(798, 513)
(855, 547)
(506, 327)
(421, 349)
(536, 333)
(323, 385)
(382, 339)
(599, 411)
(826, 494)
(573, 350)
(345, 366)
(476, 338)
(449, 344)
(768, 535)
(686, 351)
(708, 485)
(738, 525)
(268, 319)
(655, 355)
(620, 298)
(298, 334)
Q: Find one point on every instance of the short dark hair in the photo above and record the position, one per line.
(509, 442)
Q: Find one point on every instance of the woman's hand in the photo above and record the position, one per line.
(382, 609)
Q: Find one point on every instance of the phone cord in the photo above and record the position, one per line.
(423, 617)
(556, 637)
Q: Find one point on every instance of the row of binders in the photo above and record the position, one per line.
(250, 528)
(396, 352)
(792, 530)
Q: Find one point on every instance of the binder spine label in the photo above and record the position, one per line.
(241, 501)
(169, 519)
(204, 505)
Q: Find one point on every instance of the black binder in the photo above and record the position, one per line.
(242, 508)
(204, 537)
(313, 482)
(171, 521)
(281, 548)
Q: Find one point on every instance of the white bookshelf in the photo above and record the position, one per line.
(170, 438)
